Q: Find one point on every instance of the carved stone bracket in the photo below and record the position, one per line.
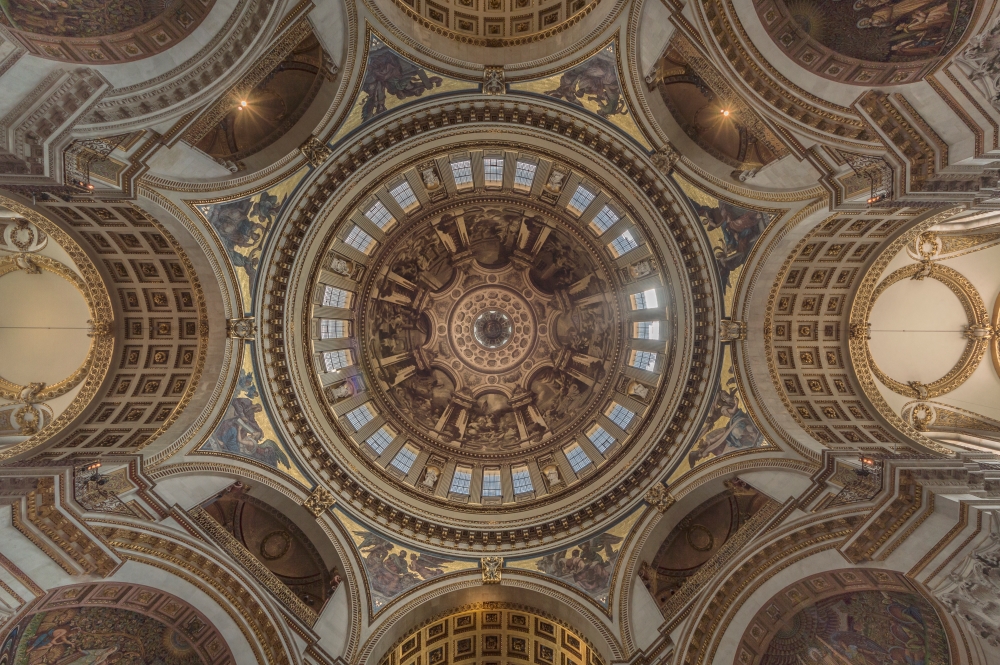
(245, 329)
(493, 81)
(660, 498)
(315, 151)
(666, 159)
(317, 502)
(491, 566)
(731, 331)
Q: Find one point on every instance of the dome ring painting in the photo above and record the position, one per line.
(503, 396)
(867, 42)
(102, 31)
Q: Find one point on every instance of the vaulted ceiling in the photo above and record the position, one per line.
(497, 331)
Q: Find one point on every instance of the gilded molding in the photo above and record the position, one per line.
(253, 565)
(859, 315)
(99, 302)
(975, 347)
(101, 329)
(492, 567)
(263, 66)
(410, 126)
(319, 501)
(659, 497)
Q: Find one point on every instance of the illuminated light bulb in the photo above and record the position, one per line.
(725, 113)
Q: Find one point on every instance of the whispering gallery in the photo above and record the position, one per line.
(500, 332)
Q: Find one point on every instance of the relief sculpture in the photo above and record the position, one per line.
(555, 315)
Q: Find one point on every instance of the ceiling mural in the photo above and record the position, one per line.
(472, 356)
(593, 85)
(242, 224)
(124, 624)
(733, 231)
(392, 569)
(450, 363)
(588, 565)
(868, 41)
(102, 31)
(245, 429)
(870, 618)
(391, 80)
(492, 331)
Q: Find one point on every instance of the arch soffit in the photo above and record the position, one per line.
(468, 588)
(87, 278)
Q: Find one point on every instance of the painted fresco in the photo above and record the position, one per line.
(861, 628)
(883, 30)
(397, 330)
(391, 569)
(246, 430)
(588, 565)
(78, 18)
(727, 428)
(96, 636)
(390, 81)
(592, 85)
(242, 226)
(733, 232)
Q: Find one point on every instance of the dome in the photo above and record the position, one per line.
(489, 327)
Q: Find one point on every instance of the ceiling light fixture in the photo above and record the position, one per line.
(725, 113)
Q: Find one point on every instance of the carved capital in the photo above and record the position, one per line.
(245, 329)
(731, 331)
(317, 502)
(491, 567)
(660, 498)
(315, 151)
(493, 81)
(666, 159)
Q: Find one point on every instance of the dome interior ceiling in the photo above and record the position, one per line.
(440, 332)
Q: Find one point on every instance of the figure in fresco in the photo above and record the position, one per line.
(740, 230)
(588, 566)
(558, 396)
(242, 225)
(738, 433)
(597, 80)
(388, 73)
(391, 573)
(239, 432)
(865, 627)
(77, 18)
(882, 31)
(95, 636)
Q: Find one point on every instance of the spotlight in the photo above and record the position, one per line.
(725, 113)
(96, 477)
(243, 104)
(867, 465)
